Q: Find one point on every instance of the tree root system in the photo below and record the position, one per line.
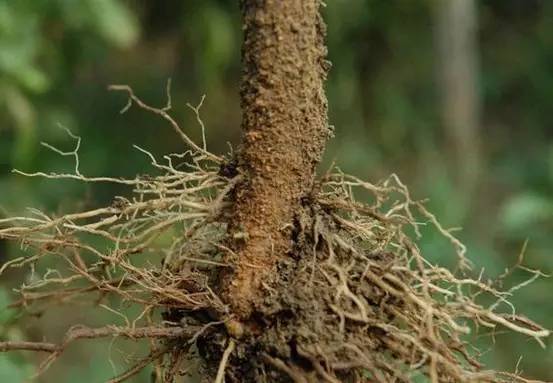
(354, 300)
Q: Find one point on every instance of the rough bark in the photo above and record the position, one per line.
(285, 129)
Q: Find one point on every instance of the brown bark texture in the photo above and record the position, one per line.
(285, 129)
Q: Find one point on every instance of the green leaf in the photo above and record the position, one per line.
(114, 22)
(32, 79)
(525, 210)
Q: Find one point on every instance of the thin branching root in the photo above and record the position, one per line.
(354, 301)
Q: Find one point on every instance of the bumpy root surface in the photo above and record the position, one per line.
(353, 301)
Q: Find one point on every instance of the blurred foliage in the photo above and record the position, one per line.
(13, 368)
(58, 56)
(41, 44)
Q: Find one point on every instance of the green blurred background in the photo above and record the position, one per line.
(455, 96)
